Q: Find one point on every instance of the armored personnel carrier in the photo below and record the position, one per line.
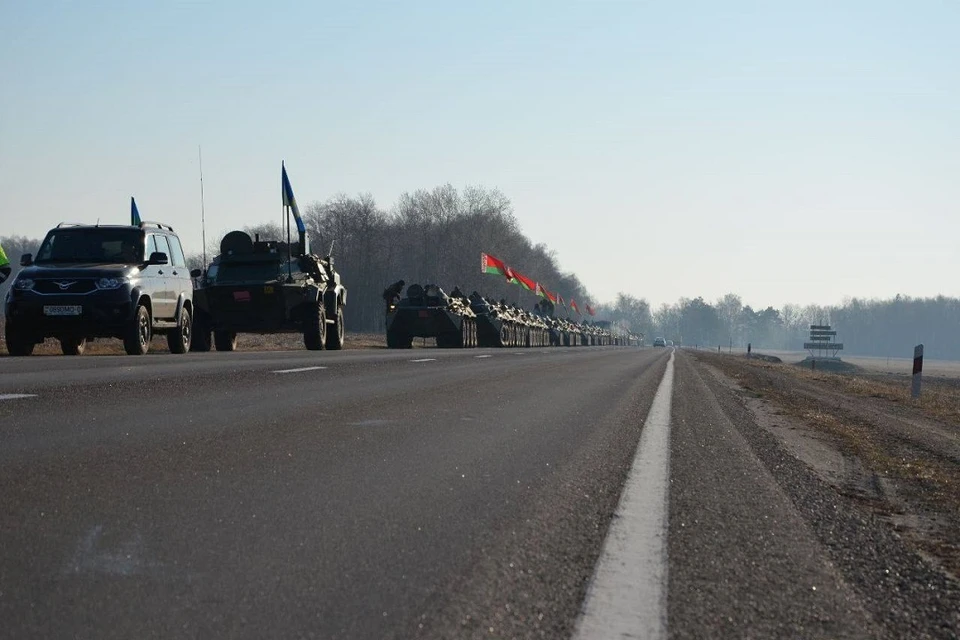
(428, 312)
(264, 286)
(502, 325)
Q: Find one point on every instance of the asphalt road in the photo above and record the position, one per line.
(431, 493)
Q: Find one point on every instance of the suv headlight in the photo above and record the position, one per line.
(110, 283)
(23, 284)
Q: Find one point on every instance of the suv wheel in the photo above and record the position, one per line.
(136, 342)
(179, 339)
(73, 346)
(17, 343)
(335, 333)
(225, 340)
(315, 328)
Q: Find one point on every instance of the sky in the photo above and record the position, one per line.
(789, 152)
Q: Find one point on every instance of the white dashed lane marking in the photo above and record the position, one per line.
(486, 356)
(16, 396)
(425, 360)
(300, 370)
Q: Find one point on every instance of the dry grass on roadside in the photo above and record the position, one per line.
(940, 397)
(857, 433)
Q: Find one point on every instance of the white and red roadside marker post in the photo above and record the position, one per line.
(917, 371)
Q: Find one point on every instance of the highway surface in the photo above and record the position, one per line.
(424, 493)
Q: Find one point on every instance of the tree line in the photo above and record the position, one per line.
(436, 236)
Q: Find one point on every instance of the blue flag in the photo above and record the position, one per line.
(134, 213)
(289, 200)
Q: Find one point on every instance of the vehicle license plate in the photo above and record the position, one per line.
(241, 296)
(62, 310)
(268, 289)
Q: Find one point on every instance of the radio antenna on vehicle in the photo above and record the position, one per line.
(203, 222)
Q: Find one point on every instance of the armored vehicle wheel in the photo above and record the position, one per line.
(395, 341)
(335, 332)
(180, 338)
(504, 335)
(471, 333)
(17, 343)
(225, 340)
(73, 345)
(315, 328)
(200, 339)
(201, 342)
(136, 341)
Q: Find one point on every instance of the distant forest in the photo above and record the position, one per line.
(436, 236)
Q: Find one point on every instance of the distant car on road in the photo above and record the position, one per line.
(100, 281)
(659, 342)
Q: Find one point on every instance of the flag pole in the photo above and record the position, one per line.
(203, 221)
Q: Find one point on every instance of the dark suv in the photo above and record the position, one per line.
(126, 282)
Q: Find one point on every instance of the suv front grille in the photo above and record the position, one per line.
(65, 286)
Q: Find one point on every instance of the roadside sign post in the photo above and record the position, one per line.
(822, 345)
(917, 371)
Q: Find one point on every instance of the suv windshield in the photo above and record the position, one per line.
(93, 244)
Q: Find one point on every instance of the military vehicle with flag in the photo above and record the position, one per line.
(269, 286)
(428, 312)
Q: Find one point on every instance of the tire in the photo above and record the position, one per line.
(201, 340)
(136, 340)
(225, 340)
(17, 343)
(179, 339)
(315, 328)
(73, 346)
(399, 342)
(450, 340)
(504, 335)
(334, 339)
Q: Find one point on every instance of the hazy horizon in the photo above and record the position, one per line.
(799, 155)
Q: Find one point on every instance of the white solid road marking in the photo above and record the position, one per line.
(300, 370)
(425, 360)
(16, 396)
(486, 356)
(627, 597)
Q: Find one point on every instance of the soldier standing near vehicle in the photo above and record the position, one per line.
(4, 266)
(392, 293)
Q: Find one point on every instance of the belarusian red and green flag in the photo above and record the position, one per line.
(543, 293)
(590, 311)
(524, 281)
(573, 305)
(489, 264)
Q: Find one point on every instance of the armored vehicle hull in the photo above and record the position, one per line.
(427, 312)
(256, 287)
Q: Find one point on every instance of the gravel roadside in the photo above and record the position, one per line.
(876, 482)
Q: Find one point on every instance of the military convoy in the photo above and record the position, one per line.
(456, 320)
(264, 286)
